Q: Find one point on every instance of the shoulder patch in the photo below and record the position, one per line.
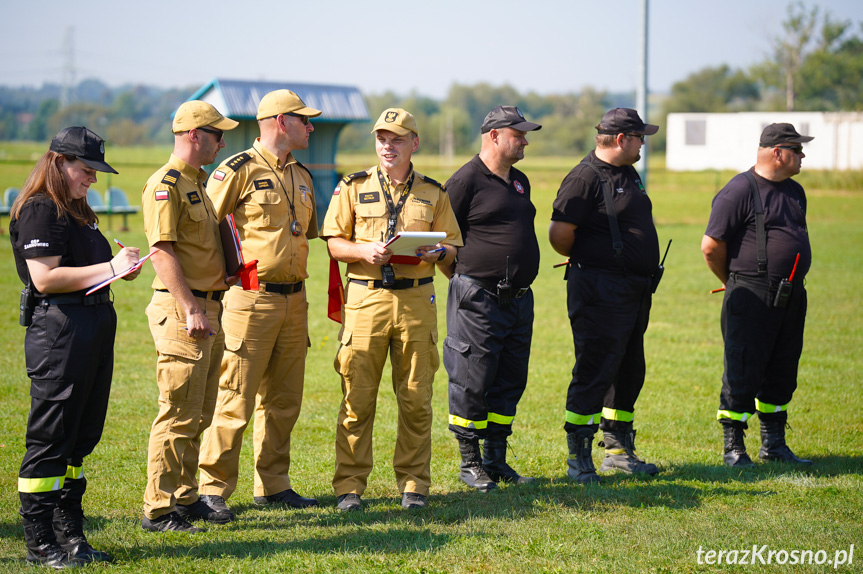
(427, 179)
(238, 160)
(171, 177)
(353, 176)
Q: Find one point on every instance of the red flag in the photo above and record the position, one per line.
(336, 292)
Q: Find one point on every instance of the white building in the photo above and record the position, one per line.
(730, 141)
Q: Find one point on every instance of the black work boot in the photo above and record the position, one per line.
(735, 449)
(42, 546)
(580, 460)
(495, 465)
(69, 524)
(472, 473)
(69, 529)
(620, 453)
(773, 445)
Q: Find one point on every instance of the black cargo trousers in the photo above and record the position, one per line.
(69, 350)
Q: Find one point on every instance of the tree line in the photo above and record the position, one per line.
(815, 64)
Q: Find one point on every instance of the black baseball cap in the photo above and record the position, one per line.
(778, 134)
(84, 145)
(507, 117)
(624, 121)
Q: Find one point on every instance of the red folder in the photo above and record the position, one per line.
(234, 262)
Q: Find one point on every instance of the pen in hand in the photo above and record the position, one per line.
(117, 241)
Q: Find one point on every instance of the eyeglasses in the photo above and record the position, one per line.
(639, 136)
(304, 119)
(217, 133)
(798, 149)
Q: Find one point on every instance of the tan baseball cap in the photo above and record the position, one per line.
(284, 102)
(396, 120)
(197, 114)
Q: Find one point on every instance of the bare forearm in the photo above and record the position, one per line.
(49, 276)
(561, 235)
(67, 279)
(716, 256)
(343, 250)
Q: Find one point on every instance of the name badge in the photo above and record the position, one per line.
(263, 184)
(193, 197)
(370, 197)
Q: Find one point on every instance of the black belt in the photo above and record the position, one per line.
(69, 299)
(214, 295)
(490, 285)
(283, 288)
(399, 284)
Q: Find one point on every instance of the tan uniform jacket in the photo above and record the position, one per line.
(258, 190)
(177, 209)
(358, 212)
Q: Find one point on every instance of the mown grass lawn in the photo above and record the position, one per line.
(626, 524)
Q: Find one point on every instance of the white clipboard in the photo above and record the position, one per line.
(119, 275)
(407, 242)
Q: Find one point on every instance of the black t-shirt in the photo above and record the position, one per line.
(732, 220)
(580, 201)
(37, 232)
(496, 221)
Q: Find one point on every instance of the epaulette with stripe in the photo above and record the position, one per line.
(427, 179)
(171, 177)
(238, 160)
(356, 175)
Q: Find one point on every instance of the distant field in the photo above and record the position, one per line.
(625, 525)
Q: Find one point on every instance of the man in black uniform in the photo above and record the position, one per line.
(757, 244)
(490, 304)
(612, 257)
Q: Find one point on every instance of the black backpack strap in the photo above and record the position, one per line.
(760, 233)
(616, 240)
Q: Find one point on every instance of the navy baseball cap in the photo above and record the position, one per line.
(81, 143)
(507, 117)
(624, 121)
(777, 134)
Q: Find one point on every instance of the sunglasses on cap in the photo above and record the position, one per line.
(217, 133)
(304, 119)
(798, 149)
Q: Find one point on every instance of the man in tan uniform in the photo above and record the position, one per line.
(266, 331)
(184, 316)
(388, 307)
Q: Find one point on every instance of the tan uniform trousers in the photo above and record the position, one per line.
(187, 372)
(266, 341)
(404, 323)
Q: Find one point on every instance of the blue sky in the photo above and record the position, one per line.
(540, 45)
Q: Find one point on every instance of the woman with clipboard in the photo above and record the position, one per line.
(69, 346)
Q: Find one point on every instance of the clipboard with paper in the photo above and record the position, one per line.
(119, 275)
(404, 245)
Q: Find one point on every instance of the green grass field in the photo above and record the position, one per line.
(626, 524)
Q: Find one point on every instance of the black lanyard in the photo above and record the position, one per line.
(394, 208)
(296, 228)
